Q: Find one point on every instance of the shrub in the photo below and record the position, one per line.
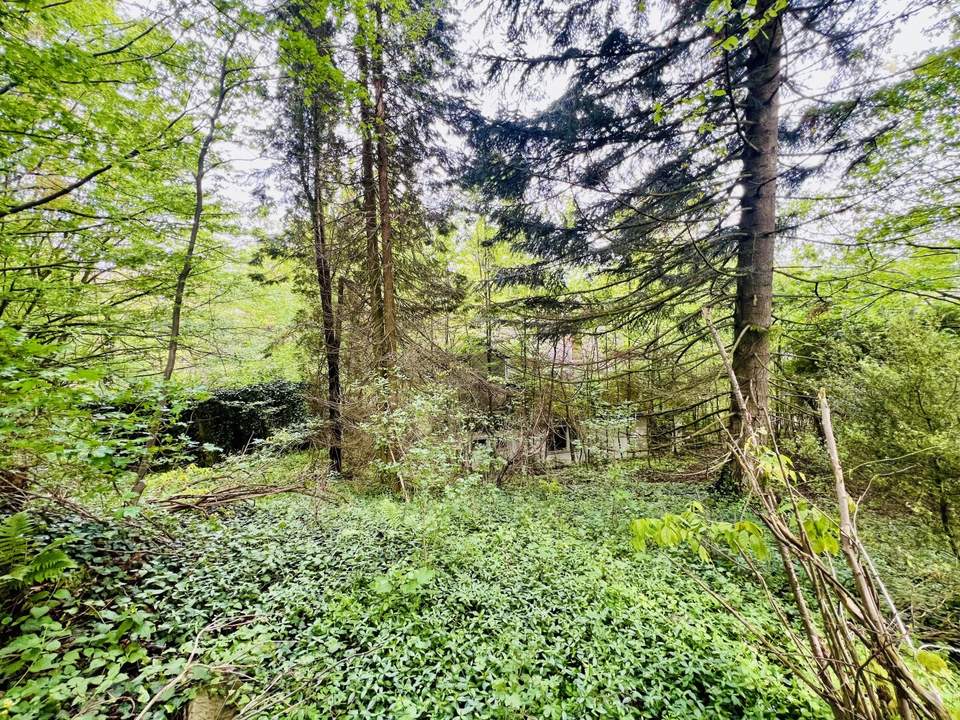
(232, 419)
(423, 442)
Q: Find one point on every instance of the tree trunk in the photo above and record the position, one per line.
(173, 343)
(321, 251)
(180, 289)
(331, 339)
(383, 180)
(484, 262)
(369, 186)
(758, 215)
(222, 90)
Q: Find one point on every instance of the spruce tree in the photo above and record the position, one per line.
(660, 162)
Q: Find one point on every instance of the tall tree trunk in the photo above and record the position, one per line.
(383, 181)
(223, 88)
(758, 216)
(180, 289)
(331, 339)
(369, 188)
(483, 263)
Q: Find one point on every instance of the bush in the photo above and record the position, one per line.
(901, 404)
(64, 429)
(892, 381)
(424, 442)
(232, 419)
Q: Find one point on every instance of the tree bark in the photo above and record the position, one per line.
(383, 181)
(331, 339)
(369, 190)
(180, 290)
(757, 227)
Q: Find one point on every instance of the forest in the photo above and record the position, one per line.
(421, 359)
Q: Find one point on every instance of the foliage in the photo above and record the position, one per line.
(479, 601)
(692, 529)
(232, 419)
(68, 644)
(62, 424)
(97, 145)
(99, 141)
(39, 400)
(244, 324)
(464, 599)
(424, 442)
(485, 602)
(905, 222)
(270, 464)
(922, 574)
(899, 395)
(21, 562)
(802, 534)
(893, 376)
(871, 315)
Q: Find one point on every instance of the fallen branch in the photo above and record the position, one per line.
(216, 499)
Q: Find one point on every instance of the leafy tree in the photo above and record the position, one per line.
(99, 144)
(89, 197)
(893, 376)
(870, 312)
(896, 206)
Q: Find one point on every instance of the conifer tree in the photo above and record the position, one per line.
(659, 163)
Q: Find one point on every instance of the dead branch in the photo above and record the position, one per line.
(217, 499)
(854, 647)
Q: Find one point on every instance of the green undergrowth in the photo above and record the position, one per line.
(482, 603)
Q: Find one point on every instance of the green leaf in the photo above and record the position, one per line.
(932, 661)
(382, 585)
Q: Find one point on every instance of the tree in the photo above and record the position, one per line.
(756, 228)
(403, 51)
(889, 226)
(369, 191)
(231, 76)
(312, 96)
(359, 101)
(95, 142)
(869, 308)
(658, 165)
(383, 192)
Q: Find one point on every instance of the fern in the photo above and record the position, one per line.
(15, 532)
(19, 564)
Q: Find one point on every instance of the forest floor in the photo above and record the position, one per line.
(475, 602)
